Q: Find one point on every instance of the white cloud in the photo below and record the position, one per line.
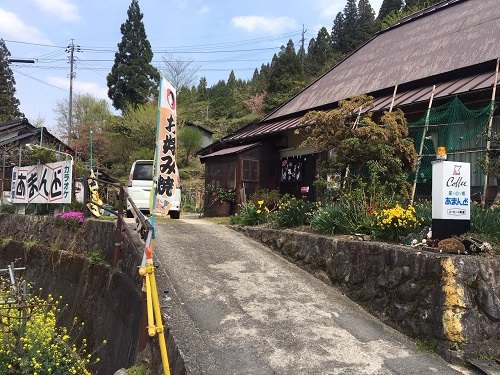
(12, 26)
(265, 24)
(80, 87)
(331, 11)
(64, 9)
(204, 9)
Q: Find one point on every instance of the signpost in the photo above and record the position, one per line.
(451, 202)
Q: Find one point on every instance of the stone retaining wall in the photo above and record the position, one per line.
(108, 299)
(453, 300)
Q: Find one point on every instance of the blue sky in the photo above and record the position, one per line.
(215, 35)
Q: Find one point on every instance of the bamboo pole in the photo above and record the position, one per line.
(419, 158)
(488, 137)
(393, 98)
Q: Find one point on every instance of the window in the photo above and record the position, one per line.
(250, 170)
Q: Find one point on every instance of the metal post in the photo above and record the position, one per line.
(90, 148)
(488, 137)
(3, 175)
(419, 158)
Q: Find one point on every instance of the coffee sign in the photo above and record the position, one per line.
(451, 190)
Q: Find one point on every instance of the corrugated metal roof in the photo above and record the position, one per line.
(230, 150)
(461, 34)
(443, 89)
(264, 129)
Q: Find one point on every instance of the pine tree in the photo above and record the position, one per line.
(351, 27)
(231, 81)
(338, 37)
(367, 24)
(319, 54)
(133, 80)
(285, 77)
(9, 104)
(389, 6)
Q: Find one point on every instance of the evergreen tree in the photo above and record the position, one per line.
(231, 81)
(351, 27)
(338, 36)
(367, 24)
(202, 89)
(319, 54)
(9, 104)
(389, 6)
(133, 80)
(285, 77)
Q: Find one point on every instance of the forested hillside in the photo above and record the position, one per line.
(232, 103)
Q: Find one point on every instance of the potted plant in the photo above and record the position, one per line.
(219, 200)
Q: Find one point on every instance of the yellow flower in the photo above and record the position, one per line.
(259, 211)
(260, 202)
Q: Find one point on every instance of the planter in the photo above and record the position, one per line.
(218, 209)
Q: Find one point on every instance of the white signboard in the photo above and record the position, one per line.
(45, 183)
(451, 190)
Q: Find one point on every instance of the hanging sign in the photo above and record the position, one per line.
(44, 183)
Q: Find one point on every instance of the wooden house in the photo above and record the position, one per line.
(444, 52)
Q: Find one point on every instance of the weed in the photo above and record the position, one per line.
(425, 344)
(95, 257)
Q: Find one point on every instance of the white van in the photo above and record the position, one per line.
(140, 183)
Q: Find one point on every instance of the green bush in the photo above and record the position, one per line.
(292, 212)
(252, 214)
(270, 198)
(7, 209)
(328, 219)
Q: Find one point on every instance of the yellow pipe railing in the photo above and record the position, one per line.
(155, 325)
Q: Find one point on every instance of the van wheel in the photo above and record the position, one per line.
(175, 214)
(129, 214)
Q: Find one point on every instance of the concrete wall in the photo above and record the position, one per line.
(453, 300)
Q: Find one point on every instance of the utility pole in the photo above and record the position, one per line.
(71, 49)
(302, 40)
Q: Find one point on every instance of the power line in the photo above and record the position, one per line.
(41, 81)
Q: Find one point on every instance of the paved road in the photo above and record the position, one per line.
(238, 308)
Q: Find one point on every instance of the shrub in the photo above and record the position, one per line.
(393, 223)
(328, 219)
(72, 218)
(7, 209)
(270, 197)
(292, 212)
(252, 214)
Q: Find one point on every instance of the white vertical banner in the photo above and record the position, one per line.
(166, 175)
(44, 183)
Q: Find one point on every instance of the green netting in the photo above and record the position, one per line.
(460, 130)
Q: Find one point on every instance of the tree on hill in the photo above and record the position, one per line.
(190, 140)
(9, 104)
(389, 6)
(366, 21)
(132, 80)
(320, 55)
(285, 78)
(180, 73)
(88, 113)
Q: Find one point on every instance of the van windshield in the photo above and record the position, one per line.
(143, 172)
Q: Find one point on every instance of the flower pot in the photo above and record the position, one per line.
(218, 209)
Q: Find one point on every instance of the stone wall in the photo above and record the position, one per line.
(453, 300)
(107, 299)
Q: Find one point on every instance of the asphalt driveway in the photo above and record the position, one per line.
(236, 307)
